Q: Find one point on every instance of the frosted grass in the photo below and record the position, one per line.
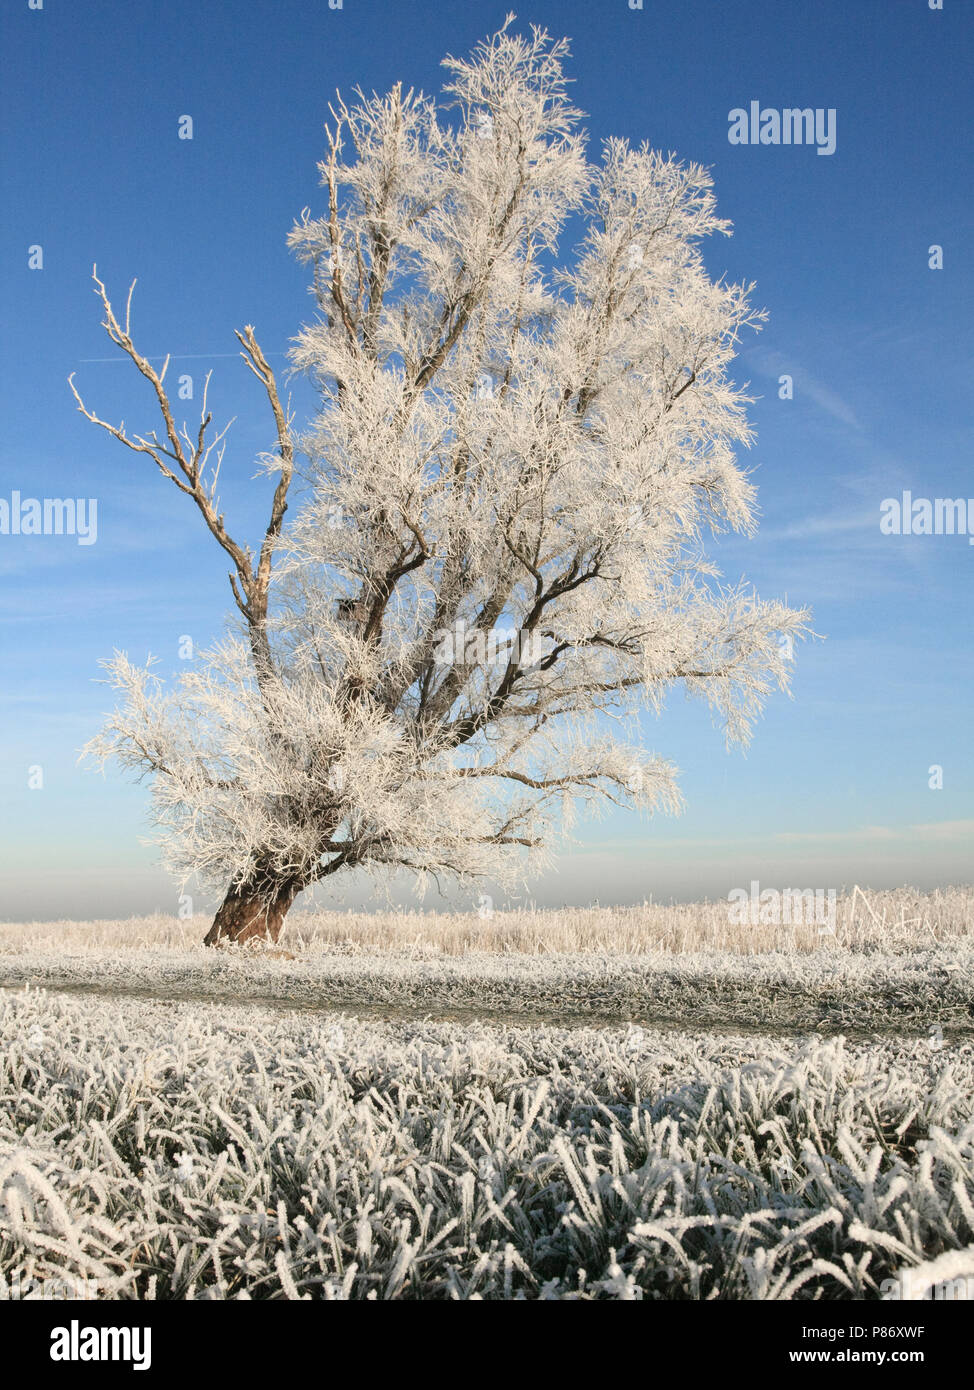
(893, 921)
(189, 1151)
(897, 962)
(831, 990)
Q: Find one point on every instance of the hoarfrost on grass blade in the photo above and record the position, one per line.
(437, 1161)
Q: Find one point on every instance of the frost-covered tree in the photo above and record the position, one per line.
(495, 562)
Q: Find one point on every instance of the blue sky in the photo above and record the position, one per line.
(834, 789)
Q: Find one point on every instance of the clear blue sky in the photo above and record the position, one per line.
(834, 789)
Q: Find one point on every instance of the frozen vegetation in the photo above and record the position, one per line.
(190, 1151)
(896, 962)
(897, 920)
(829, 991)
(674, 1142)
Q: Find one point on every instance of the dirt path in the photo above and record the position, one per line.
(392, 1013)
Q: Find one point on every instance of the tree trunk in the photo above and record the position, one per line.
(248, 915)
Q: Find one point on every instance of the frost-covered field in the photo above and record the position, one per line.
(897, 920)
(896, 962)
(191, 1151)
(831, 990)
(178, 1122)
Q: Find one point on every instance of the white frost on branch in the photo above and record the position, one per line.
(566, 506)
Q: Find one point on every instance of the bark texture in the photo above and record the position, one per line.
(248, 915)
